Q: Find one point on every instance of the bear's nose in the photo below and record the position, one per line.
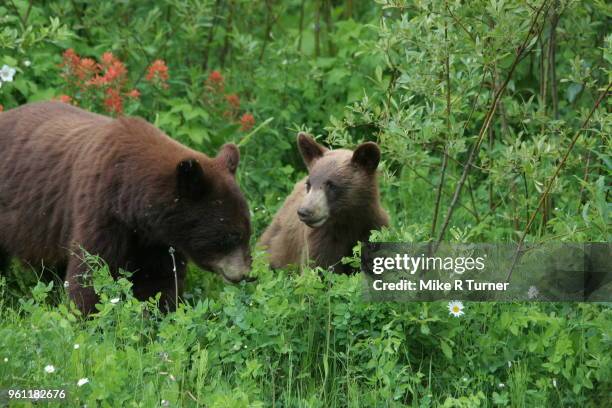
(304, 212)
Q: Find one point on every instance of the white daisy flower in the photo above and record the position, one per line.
(6, 359)
(49, 369)
(533, 292)
(114, 301)
(502, 385)
(77, 346)
(509, 364)
(82, 382)
(7, 73)
(456, 308)
(66, 284)
(27, 63)
(165, 403)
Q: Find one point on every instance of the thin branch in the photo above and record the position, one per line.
(460, 24)
(520, 53)
(446, 193)
(585, 178)
(546, 192)
(448, 132)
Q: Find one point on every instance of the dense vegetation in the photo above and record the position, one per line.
(494, 123)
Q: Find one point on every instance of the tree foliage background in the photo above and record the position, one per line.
(494, 121)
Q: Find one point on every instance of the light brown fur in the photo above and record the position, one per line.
(353, 215)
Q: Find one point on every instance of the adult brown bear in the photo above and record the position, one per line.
(329, 211)
(120, 189)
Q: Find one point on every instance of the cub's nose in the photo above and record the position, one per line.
(304, 213)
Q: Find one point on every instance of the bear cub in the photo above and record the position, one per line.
(335, 206)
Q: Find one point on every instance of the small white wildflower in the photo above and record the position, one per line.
(66, 284)
(82, 382)
(555, 382)
(165, 403)
(502, 385)
(7, 73)
(76, 346)
(509, 364)
(114, 301)
(465, 379)
(173, 378)
(533, 292)
(27, 63)
(49, 369)
(455, 308)
(6, 359)
(236, 346)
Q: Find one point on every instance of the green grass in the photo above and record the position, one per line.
(302, 340)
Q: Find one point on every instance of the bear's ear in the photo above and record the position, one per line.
(367, 156)
(309, 149)
(230, 156)
(190, 179)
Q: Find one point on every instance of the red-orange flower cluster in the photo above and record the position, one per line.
(134, 94)
(233, 100)
(247, 121)
(158, 72)
(215, 77)
(225, 105)
(90, 80)
(113, 101)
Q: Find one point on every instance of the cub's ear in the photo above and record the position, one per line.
(190, 179)
(367, 156)
(309, 149)
(230, 156)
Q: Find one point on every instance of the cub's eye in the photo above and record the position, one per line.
(307, 185)
(331, 185)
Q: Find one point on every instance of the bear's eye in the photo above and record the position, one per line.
(229, 241)
(331, 185)
(307, 185)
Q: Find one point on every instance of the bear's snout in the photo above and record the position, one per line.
(235, 266)
(314, 210)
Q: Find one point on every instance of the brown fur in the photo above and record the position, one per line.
(119, 188)
(353, 213)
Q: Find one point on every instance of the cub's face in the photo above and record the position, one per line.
(340, 182)
(209, 220)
